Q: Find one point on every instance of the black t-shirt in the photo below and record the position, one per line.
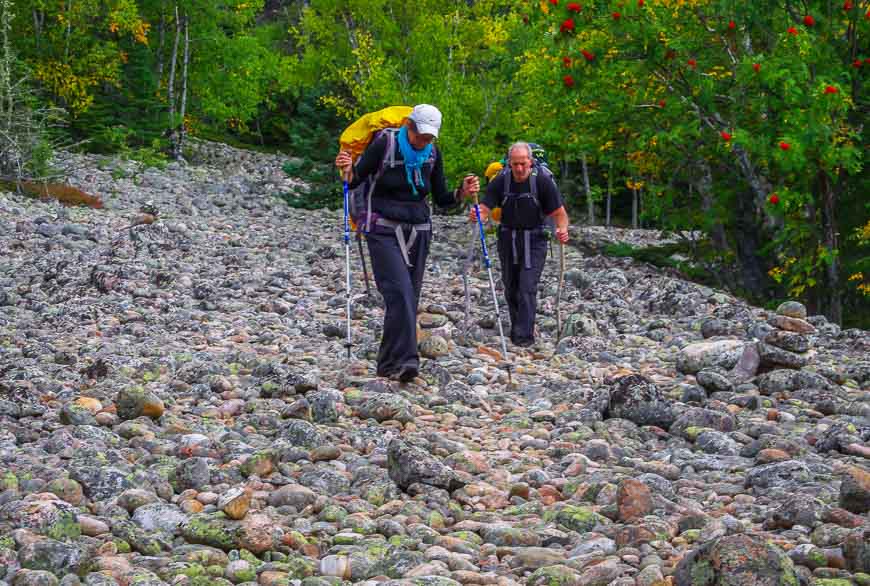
(393, 198)
(521, 212)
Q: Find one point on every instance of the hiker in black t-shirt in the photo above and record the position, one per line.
(527, 196)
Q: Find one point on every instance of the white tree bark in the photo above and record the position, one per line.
(590, 205)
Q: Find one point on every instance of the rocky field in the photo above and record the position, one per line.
(176, 407)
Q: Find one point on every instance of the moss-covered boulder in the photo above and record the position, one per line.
(736, 559)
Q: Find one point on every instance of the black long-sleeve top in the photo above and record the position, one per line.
(393, 198)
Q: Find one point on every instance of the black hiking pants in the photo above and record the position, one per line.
(523, 254)
(400, 286)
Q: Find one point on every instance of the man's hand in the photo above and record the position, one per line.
(562, 235)
(344, 163)
(484, 214)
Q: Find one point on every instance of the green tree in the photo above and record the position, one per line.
(706, 91)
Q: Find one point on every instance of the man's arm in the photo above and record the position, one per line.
(562, 221)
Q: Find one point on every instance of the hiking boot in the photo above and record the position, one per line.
(407, 374)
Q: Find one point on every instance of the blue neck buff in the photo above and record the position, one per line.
(414, 159)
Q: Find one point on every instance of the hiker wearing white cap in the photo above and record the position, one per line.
(407, 167)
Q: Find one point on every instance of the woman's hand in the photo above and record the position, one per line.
(344, 162)
(470, 185)
(562, 235)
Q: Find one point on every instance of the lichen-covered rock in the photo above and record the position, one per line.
(101, 482)
(555, 575)
(43, 514)
(700, 355)
(382, 407)
(692, 421)
(53, 556)
(778, 474)
(409, 464)
(736, 559)
(575, 518)
(793, 309)
(797, 510)
(639, 400)
(159, 516)
(134, 401)
(775, 357)
(855, 490)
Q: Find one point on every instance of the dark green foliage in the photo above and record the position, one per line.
(680, 256)
(325, 187)
(128, 117)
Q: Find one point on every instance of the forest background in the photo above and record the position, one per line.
(746, 121)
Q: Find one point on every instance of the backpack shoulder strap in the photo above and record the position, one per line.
(390, 159)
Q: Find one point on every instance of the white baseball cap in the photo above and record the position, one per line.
(427, 119)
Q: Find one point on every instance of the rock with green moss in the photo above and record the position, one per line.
(259, 464)
(557, 575)
(48, 516)
(75, 414)
(502, 534)
(34, 578)
(133, 401)
(8, 481)
(212, 529)
(433, 581)
(299, 567)
(67, 490)
(53, 556)
(323, 581)
(332, 514)
(8, 558)
(397, 562)
(529, 508)
(736, 559)
(199, 554)
(574, 518)
(145, 542)
(856, 550)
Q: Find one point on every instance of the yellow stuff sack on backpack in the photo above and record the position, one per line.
(357, 136)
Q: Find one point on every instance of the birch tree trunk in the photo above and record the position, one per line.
(590, 205)
(833, 302)
(704, 185)
(162, 41)
(609, 190)
(633, 206)
(170, 87)
(179, 142)
(68, 31)
(38, 21)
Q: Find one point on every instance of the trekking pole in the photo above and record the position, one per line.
(466, 269)
(362, 258)
(347, 343)
(492, 287)
(559, 293)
